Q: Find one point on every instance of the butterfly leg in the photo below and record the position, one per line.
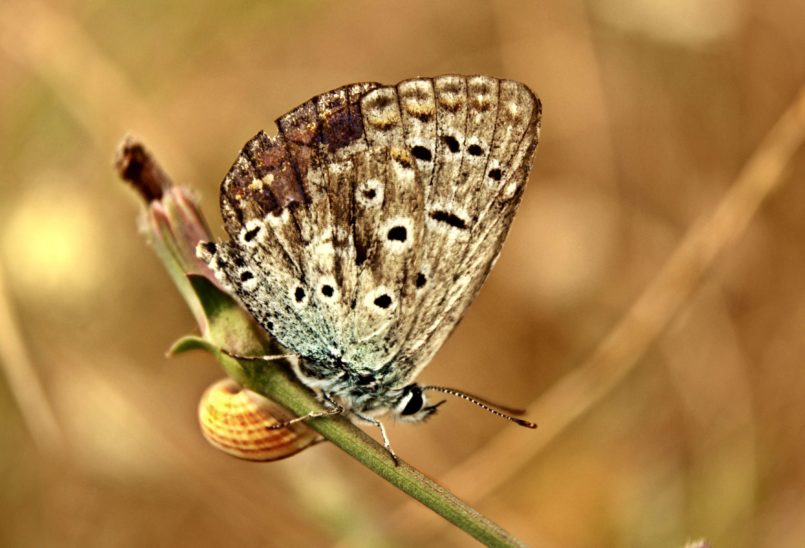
(259, 358)
(334, 409)
(386, 442)
(328, 399)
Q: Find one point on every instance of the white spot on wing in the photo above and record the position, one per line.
(396, 245)
(293, 289)
(250, 227)
(250, 284)
(369, 193)
(278, 220)
(510, 189)
(324, 283)
(376, 293)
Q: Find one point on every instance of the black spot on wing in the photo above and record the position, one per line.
(421, 280)
(452, 143)
(422, 153)
(398, 233)
(251, 234)
(449, 218)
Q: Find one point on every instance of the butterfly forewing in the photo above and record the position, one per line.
(485, 212)
(361, 233)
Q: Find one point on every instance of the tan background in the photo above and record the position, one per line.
(651, 110)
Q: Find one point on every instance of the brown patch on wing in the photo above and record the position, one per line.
(340, 116)
(273, 171)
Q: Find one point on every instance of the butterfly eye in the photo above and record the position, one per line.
(414, 400)
(383, 301)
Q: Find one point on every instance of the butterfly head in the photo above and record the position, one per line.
(413, 405)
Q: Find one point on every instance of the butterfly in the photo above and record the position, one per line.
(362, 231)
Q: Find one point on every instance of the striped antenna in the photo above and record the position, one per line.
(499, 410)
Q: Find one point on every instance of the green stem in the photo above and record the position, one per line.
(275, 381)
(281, 385)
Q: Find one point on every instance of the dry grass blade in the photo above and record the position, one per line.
(639, 328)
(93, 88)
(24, 382)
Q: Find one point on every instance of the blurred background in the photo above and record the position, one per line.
(677, 418)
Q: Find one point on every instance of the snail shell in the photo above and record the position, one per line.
(236, 421)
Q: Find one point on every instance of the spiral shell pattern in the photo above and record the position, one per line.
(237, 421)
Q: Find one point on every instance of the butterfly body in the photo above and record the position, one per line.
(363, 230)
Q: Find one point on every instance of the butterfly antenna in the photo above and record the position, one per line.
(499, 410)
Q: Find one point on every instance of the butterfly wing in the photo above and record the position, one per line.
(474, 138)
(364, 229)
(284, 208)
